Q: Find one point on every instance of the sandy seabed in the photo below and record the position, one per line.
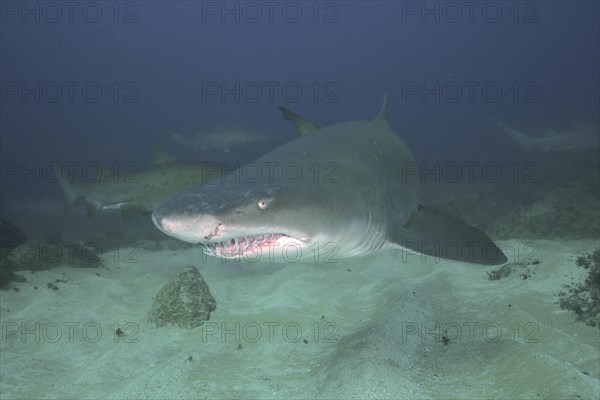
(373, 327)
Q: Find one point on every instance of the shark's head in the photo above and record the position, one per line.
(255, 219)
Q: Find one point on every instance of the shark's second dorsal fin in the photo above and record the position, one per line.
(303, 126)
(382, 116)
(160, 156)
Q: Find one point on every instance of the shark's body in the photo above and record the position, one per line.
(136, 191)
(580, 138)
(347, 190)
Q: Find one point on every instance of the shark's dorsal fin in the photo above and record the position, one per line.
(160, 156)
(303, 126)
(382, 116)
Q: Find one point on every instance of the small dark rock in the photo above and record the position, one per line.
(508, 269)
(185, 301)
(501, 272)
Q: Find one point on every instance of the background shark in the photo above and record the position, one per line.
(222, 140)
(582, 137)
(139, 191)
(353, 190)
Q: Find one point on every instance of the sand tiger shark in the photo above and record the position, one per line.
(136, 191)
(581, 137)
(352, 185)
(222, 139)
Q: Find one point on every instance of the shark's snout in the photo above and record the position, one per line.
(164, 224)
(194, 230)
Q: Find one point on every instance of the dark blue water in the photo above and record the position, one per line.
(83, 81)
(106, 81)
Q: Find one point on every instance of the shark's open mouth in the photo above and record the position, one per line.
(243, 246)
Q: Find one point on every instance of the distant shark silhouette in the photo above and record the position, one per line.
(580, 138)
(142, 190)
(222, 139)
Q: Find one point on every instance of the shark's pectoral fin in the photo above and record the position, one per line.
(436, 234)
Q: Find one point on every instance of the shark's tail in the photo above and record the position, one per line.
(66, 185)
(522, 140)
(179, 138)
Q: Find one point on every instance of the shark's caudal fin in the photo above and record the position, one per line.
(522, 140)
(303, 126)
(66, 186)
(161, 156)
(433, 233)
(179, 138)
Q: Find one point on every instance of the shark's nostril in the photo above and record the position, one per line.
(216, 232)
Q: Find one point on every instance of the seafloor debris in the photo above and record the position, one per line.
(184, 301)
(46, 255)
(509, 269)
(569, 212)
(584, 298)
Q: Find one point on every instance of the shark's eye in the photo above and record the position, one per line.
(263, 204)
